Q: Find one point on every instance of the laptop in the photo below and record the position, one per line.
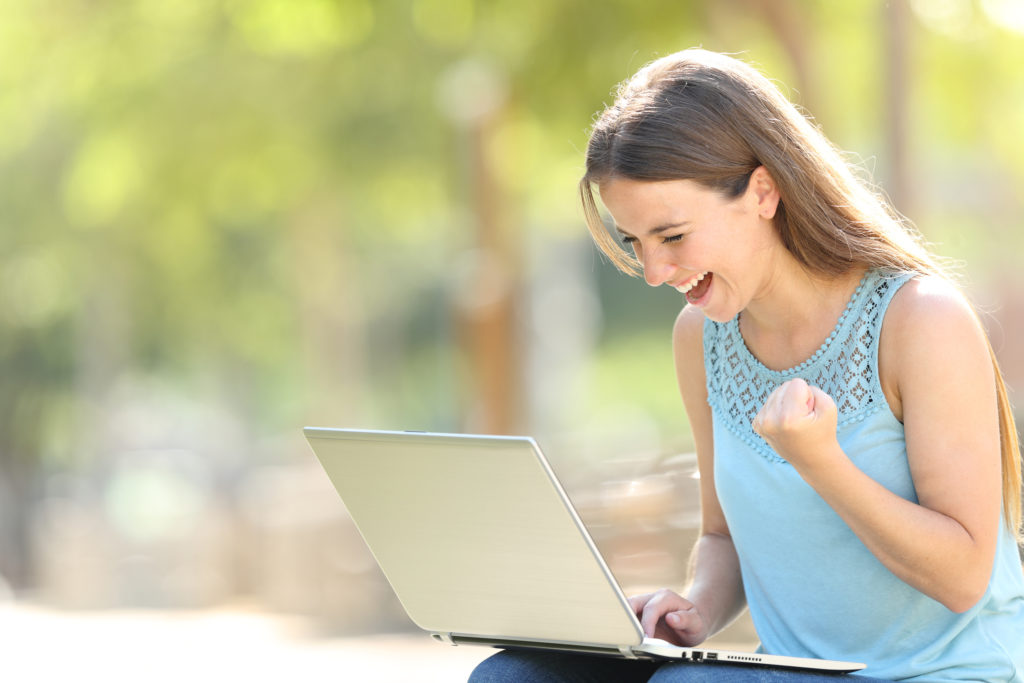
(483, 547)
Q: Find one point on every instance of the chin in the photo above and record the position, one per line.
(719, 317)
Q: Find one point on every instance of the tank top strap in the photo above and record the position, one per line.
(845, 366)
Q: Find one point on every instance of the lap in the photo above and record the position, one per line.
(737, 673)
(528, 666)
(522, 666)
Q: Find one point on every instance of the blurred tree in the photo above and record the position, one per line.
(287, 204)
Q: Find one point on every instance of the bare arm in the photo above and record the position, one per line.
(715, 593)
(938, 378)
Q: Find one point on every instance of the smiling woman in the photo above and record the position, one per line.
(712, 119)
(857, 508)
(690, 237)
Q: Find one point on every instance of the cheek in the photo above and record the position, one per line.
(696, 251)
(679, 254)
(636, 250)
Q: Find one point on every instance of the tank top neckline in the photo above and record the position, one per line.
(845, 319)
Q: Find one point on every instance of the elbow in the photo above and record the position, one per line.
(966, 583)
(965, 596)
(964, 603)
(961, 607)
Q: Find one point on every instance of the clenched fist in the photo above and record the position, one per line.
(799, 422)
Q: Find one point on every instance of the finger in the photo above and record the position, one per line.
(685, 627)
(637, 602)
(821, 403)
(679, 621)
(775, 402)
(757, 422)
(649, 618)
(658, 606)
(683, 621)
(799, 383)
(797, 392)
(770, 411)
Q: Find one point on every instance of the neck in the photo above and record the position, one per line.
(794, 311)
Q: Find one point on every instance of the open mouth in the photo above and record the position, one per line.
(695, 289)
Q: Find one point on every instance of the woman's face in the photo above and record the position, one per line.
(714, 250)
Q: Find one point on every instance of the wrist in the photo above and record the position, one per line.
(825, 467)
(714, 614)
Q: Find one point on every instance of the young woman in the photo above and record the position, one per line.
(860, 472)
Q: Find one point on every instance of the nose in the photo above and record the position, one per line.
(658, 269)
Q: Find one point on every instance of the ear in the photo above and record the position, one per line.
(765, 192)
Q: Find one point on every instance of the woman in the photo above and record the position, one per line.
(860, 474)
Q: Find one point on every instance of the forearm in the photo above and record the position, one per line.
(927, 549)
(715, 584)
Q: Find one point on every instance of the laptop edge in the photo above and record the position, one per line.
(632, 646)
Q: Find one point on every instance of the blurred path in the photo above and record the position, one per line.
(173, 646)
(219, 645)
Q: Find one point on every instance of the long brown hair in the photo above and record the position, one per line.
(713, 119)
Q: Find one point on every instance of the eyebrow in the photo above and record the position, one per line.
(656, 230)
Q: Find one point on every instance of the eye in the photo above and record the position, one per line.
(672, 238)
(627, 240)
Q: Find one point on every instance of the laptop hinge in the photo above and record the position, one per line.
(443, 638)
(627, 651)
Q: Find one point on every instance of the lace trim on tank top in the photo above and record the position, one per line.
(844, 367)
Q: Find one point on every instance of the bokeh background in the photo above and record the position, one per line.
(221, 221)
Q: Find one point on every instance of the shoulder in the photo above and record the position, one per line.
(931, 308)
(688, 347)
(689, 325)
(688, 331)
(931, 333)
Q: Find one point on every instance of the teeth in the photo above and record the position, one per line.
(691, 284)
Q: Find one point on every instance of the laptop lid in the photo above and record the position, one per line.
(476, 537)
(482, 545)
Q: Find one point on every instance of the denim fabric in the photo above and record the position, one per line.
(519, 666)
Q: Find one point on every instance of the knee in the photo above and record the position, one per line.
(688, 673)
(517, 666)
(503, 667)
(485, 672)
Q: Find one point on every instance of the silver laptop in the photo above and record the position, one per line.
(483, 547)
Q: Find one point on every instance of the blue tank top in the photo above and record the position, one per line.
(813, 589)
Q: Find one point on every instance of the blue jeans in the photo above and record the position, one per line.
(521, 666)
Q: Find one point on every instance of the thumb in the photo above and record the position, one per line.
(687, 625)
(799, 392)
(819, 403)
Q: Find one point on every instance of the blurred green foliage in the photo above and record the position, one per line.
(266, 201)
